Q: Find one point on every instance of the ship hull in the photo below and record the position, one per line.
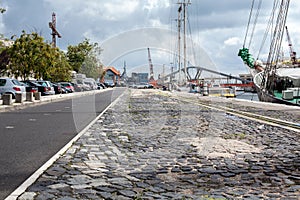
(265, 96)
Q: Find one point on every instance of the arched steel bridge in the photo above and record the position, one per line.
(199, 71)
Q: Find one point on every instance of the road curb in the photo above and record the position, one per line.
(47, 99)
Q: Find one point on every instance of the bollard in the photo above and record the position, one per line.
(19, 98)
(37, 95)
(29, 96)
(7, 99)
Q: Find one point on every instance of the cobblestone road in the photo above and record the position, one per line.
(149, 146)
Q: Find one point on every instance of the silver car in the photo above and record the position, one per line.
(11, 86)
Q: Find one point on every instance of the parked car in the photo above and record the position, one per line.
(49, 88)
(84, 86)
(90, 85)
(150, 86)
(57, 88)
(68, 86)
(142, 86)
(109, 84)
(90, 82)
(77, 87)
(64, 90)
(11, 86)
(101, 86)
(42, 89)
(29, 88)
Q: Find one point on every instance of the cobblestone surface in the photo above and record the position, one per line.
(149, 146)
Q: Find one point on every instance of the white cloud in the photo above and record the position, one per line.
(219, 30)
(118, 9)
(152, 4)
(232, 41)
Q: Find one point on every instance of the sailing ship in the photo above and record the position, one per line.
(275, 80)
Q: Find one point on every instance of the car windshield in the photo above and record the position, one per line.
(65, 84)
(43, 84)
(24, 84)
(35, 84)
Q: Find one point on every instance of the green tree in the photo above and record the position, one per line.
(23, 55)
(61, 69)
(84, 58)
(30, 56)
(4, 58)
(77, 54)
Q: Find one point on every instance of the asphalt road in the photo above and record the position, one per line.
(31, 136)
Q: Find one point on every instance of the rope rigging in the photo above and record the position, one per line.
(244, 52)
(248, 24)
(255, 22)
(270, 27)
(275, 47)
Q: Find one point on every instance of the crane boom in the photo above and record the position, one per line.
(292, 52)
(150, 66)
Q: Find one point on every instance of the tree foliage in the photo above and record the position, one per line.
(4, 60)
(84, 58)
(30, 56)
(61, 69)
(77, 54)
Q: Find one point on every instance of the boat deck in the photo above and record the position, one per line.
(279, 96)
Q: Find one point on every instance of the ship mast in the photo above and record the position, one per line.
(179, 42)
(275, 47)
(182, 5)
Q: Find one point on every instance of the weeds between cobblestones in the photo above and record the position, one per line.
(149, 146)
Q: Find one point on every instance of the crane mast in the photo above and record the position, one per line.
(52, 26)
(150, 66)
(292, 52)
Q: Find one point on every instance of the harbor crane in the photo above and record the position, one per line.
(292, 52)
(152, 81)
(52, 26)
(150, 66)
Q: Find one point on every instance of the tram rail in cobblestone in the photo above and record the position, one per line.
(247, 115)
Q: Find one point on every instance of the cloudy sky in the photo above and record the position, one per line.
(126, 28)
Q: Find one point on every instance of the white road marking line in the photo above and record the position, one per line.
(22, 188)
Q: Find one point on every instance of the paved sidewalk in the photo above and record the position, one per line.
(149, 146)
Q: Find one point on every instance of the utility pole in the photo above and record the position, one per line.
(52, 26)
